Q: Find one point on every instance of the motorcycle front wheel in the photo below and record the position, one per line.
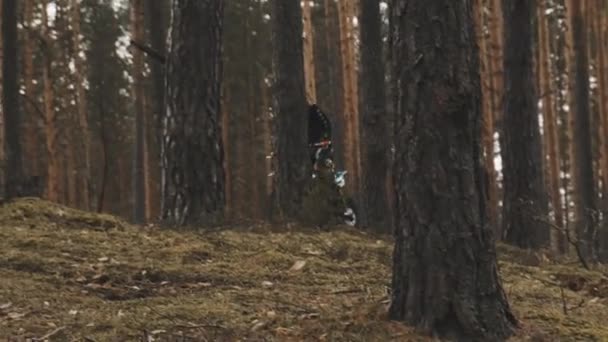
(350, 212)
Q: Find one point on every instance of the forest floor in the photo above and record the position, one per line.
(70, 275)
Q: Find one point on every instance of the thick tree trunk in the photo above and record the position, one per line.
(584, 178)
(193, 173)
(293, 164)
(445, 276)
(525, 199)
(139, 174)
(31, 118)
(374, 130)
(83, 121)
(10, 98)
(309, 56)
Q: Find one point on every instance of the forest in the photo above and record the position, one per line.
(323, 170)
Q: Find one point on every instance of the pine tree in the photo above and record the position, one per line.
(193, 174)
(445, 276)
(374, 130)
(525, 198)
(293, 164)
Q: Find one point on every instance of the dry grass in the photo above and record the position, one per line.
(80, 276)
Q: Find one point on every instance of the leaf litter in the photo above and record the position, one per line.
(96, 278)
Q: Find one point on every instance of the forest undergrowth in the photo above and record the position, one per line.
(71, 275)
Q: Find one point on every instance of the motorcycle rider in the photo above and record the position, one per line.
(319, 136)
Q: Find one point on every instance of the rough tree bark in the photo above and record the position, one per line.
(445, 276)
(192, 171)
(583, 135)
(374, 130)
(10, 98)
(525, 197)
(293, 164)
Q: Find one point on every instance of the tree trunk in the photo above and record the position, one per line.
(602, 23)
(2, 129)
(550, 121)
(227, 155)
(52, 174)
(83, 121)
(157, 27)
(293, 164)
(445, 276)
(10, 99)
(563, 95)
(350, 106)
(486, 66)
(193, 173)
(309, 56)
(31, 119)
(525, 198)
(374, 130)
(139, 175)
(585, 185)
(496, 52)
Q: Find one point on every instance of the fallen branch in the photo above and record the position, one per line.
(575, 244)
(565, 304)
(347, 291)
(52, 333)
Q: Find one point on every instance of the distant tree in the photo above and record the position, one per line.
(488, 75)
(309, 60)
(548, 96)
(583, 135)
(10, 98)
(192, 163)
(50, 117)
(157, 23)
(293, 169)
(445, 276)
(84, 136)
(109, 106)
(525, 198)
(32, 160)
(374, 128)
(350, 104)
(139, 167)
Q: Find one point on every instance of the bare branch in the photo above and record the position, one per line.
(566, 232)
(158, 56)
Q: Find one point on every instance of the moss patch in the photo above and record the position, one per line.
(94, 276)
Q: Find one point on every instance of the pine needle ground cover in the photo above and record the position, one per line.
(70, 275)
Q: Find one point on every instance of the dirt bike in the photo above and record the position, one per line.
(323, 162)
